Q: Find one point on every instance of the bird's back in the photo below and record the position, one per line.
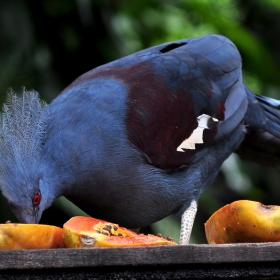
(167, 88)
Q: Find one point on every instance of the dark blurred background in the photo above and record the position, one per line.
(45, 45)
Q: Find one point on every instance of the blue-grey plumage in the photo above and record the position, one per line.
(22, 136)
(137, 139)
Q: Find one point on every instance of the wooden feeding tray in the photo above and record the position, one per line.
(246, 261)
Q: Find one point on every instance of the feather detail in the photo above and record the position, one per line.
(21, 130)
(197, 135)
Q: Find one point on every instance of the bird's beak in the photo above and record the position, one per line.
(27, 216)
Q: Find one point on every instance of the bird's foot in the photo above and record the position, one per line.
(187, 223)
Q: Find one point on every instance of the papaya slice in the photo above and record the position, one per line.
(244, 221)
(87, 232)
(29, 236)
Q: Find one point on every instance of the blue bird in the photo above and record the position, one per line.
(137, 139)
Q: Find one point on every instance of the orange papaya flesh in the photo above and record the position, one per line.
(87, 232)
(244, 221)
(30, 236)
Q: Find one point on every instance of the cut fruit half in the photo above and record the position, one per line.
(86, 232)
(30, 236)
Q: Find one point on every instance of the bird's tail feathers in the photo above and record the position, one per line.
(262, 120)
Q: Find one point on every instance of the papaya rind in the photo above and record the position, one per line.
(15, 236)
(244, 221)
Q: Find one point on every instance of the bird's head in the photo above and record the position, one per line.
(26, 210)
(21, 139)
(27, 198)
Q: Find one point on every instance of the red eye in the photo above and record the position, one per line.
(37, 199)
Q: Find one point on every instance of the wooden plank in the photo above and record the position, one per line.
(141, 256)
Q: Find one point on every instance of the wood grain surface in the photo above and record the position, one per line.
(140, 256)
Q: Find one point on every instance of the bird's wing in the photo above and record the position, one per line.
(181, 97)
